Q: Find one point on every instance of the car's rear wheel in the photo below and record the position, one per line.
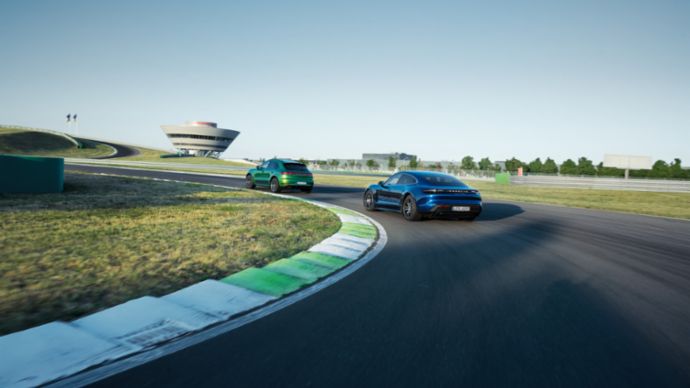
(249, 182)
(275, 186)
(409, 209)
(368, 200)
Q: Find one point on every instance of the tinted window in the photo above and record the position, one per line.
(272, 165)
(441, 180)
(295, 167)
(393, 180)
(407, 180)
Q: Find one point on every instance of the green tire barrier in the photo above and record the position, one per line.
(31, 174)
(503, 178)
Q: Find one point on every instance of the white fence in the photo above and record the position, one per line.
(632, 184)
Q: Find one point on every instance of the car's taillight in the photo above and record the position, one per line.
(295, 173)
(431, 191)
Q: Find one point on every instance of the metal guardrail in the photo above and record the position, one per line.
(56, 133)
(631, 184)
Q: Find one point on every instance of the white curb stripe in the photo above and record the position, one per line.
(353, 219)
(145, 321)
(337, 250)
(343, 236)
(347, 243)
(44, 353)
(217, 298)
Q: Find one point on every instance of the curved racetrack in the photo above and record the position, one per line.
(121, 151)
(527, 295)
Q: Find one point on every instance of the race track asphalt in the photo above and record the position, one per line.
(526, 295)
(121, 151)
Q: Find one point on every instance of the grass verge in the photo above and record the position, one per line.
(151, 155)
(19, 141)
(106, 240)
(676, 205)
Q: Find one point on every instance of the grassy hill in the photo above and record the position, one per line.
(21, 141)
(151, 155)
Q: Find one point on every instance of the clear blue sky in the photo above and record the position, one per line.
(335, 79)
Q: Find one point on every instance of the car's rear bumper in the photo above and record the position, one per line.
(442, 211)
(296, 181)
(446, 209)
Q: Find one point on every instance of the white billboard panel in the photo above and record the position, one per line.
(631, 162)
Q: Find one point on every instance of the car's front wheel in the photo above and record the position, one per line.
(369, 203)
(409, 209)
(249, 182)
(275, 186)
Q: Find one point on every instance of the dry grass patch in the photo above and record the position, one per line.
(106, 240)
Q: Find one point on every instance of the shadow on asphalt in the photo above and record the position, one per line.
(498, 211)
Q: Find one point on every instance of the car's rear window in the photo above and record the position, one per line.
(441, 180)
(296, 167)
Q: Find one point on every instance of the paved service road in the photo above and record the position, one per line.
(527, 295)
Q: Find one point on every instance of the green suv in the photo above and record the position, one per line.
(279, 174)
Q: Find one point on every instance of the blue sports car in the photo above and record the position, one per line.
(420, 194)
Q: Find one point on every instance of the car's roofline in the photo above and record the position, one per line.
(286, 160)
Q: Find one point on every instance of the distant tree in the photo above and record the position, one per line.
(585, 167)
(569, 168)
(322, 163)
(549, 167)
(660, 169)
(334, 163)
(676, 171)
(535, 166)
(609, 171)
(513, 164)
(371, 164)
(303, 161)
(391, 163)
(413, 162)
(485, 164)
(468, 163)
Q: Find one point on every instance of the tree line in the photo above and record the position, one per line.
(583, 166)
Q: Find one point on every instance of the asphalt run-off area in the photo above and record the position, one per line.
(526, 295)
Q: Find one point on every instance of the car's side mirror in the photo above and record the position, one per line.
(259, 168)
(382, 184)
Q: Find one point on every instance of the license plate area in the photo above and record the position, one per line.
(460, 208)
(301, 183)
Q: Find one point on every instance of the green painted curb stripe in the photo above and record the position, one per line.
(353, 225)
(358, 230)
(322, 259)
(265, 282)
(299, 269)
(369, 235)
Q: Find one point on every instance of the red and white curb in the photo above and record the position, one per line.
(146, 328)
